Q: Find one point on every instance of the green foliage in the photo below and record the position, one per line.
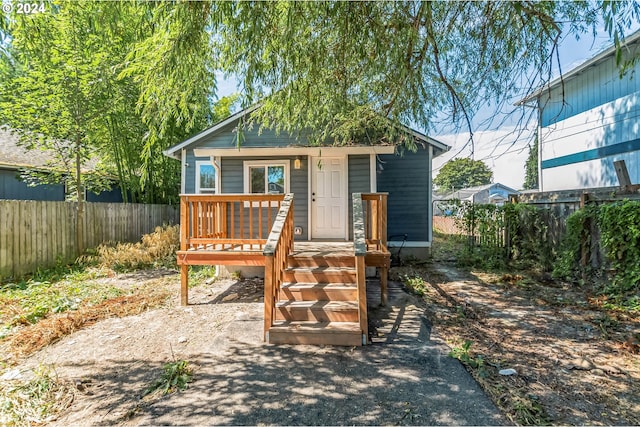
(463, 354)
(175, 376)
(416, 284)
(462, 173)
(63, 89)
(618, 225)
(48, 292)
(567, 264)
(484, 226)
(336, 68)
(531, 167)
(620, 237)
(34, 401)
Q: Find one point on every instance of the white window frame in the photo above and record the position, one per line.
(247, 164)
(200, 190)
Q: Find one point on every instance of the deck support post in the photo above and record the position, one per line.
(184, 284)
(384, 275)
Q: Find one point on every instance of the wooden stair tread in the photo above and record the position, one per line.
(311, 285)
(318, 305)
(320, 269)
(317, 327)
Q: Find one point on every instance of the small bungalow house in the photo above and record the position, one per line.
(313, 217)
(588, 120)
(14, 159)
(494, 194)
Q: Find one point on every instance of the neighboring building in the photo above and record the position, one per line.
(15, 158)
(587, 120)
(495, 194)
(321, 178)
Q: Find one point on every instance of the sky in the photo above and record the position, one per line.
(504, 143)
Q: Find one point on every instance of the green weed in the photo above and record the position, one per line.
(198, 274)
(175, 376)
(416, 284)
(463, 354)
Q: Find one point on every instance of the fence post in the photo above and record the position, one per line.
(585, 244)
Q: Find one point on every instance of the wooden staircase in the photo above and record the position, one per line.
(317, 302)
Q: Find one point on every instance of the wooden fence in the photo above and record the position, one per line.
(36, 235)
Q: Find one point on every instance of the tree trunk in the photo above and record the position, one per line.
(80, 205)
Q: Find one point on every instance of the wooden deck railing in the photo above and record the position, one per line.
(375, 220)
(227, 221)
(360, 252)
(278, 247)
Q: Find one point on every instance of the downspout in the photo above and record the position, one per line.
(540, 186)
(216, 166)
(183, 171)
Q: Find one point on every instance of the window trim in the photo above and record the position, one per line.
(197, 174)
(247, 164)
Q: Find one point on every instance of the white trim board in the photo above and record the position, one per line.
(397, 244)
(293, 151)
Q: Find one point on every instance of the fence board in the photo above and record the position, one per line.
(35, 234)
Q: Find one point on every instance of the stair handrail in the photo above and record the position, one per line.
(360, 251)
(276, 250)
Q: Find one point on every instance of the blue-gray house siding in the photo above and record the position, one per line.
(11, 187)
(406, 178)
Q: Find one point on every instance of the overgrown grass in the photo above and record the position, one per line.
(30, 308)
(30, 300)
(34, 401)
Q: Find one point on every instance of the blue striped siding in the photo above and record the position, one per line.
(596, 153)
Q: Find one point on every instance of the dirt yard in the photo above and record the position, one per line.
(404, 378)
(571, 361)
(575, 363)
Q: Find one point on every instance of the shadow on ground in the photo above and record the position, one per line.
(404, 378)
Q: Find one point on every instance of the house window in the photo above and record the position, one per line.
(206, 179)
(266, 177)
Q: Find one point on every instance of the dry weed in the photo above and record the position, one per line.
(155, 248)
(52, 329)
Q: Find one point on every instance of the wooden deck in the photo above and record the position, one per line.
(314, 290)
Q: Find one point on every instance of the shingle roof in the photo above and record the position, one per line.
(16, 156)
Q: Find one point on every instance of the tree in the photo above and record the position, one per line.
(338, 67)
(462, 173)
(531, 167)
(62, 88)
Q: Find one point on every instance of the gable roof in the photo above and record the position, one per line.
(174, 151)
(595, 60)
(466, 193)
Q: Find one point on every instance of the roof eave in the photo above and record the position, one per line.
(577, 70)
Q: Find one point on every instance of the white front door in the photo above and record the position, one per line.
(328, 198)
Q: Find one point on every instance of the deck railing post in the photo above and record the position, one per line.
(360, 251)
(268, 294)
(184, 239)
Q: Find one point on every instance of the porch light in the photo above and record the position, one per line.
(297, 163)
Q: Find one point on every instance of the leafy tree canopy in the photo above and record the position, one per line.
(462, 173)
(338, 67)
